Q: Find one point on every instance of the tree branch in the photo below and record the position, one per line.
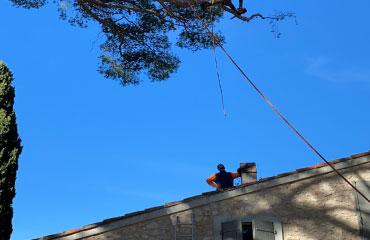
(170, 12)
(121, 6)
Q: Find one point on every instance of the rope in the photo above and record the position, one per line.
(218, 75)
(273, 107)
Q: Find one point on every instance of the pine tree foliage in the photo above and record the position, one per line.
(10, 148)
(137, 32)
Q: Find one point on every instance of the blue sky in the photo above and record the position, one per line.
(95, 150)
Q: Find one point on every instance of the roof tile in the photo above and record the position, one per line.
(192, 198)
(320, 165)
(153, 208)
(133, 214)
(172, 204)
(266, 179)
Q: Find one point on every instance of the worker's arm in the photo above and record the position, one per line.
(235, 175)
(211, 180)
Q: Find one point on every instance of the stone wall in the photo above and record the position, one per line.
(321, 207)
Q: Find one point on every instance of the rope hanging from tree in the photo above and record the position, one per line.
(215, 56)
(273, 107)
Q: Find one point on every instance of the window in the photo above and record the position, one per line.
(232, 230)
(250, 228)
(247, 231)
(363, 208)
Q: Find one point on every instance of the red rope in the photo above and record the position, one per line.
(273, 107)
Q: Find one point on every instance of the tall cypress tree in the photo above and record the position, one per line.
(10, 148)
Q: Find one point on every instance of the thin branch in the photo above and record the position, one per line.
(246, 19)
(121, 6)
(88, 11)
(184, 3)
(170, 12)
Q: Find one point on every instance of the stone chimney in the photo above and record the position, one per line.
(248, 172)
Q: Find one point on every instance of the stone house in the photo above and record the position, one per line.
(309, 203)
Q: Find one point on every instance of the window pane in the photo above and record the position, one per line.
(247, 231)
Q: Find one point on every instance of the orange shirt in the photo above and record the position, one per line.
(212, 179)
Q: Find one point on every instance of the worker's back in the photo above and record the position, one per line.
(224, 180)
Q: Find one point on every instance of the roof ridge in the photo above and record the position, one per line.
(171, 204)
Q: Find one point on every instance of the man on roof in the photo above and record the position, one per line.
(222, 180)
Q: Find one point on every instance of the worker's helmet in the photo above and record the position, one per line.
(220, 167)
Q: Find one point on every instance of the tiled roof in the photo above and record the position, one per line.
(167, 205)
